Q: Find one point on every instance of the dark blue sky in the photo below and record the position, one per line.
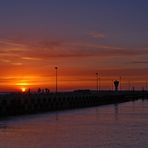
(123, 21)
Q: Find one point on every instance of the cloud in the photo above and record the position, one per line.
(17, 64)
(30, 58)
(97, 35)
(139, 62)
(10, 43)
(43, 50)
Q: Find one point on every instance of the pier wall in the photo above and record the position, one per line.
(18, 104)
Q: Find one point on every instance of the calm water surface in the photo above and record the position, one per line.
(113, 126)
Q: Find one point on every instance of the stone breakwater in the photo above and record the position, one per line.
(19, 104)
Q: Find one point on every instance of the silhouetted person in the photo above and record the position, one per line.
(29, 90)
(133, 88)
(116, 84)
(46, 90)
(43, 91)
(39, 90)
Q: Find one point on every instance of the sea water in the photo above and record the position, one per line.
(112, 126)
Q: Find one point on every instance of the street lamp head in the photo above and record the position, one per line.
(56, 67)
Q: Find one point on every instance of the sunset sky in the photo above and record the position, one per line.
(80, 37)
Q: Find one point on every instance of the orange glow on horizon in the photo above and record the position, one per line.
(22, 84)
(71, 79)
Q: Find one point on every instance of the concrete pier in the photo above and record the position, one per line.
(29, 103)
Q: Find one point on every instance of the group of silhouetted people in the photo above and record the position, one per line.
(39, 91)
(46, 90)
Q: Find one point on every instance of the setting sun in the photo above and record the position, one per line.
(23, 89)
(22, 86)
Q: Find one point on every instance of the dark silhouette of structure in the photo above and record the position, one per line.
(56, 68)
(116, 84)
(13, 104)
(97, 81)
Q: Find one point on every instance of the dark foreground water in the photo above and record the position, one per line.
(113, 126)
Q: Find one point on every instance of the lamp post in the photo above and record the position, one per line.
(56, 69)
(99, 83)
(129, 85)
(97, 80)
(146, 85)
(120, 83)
